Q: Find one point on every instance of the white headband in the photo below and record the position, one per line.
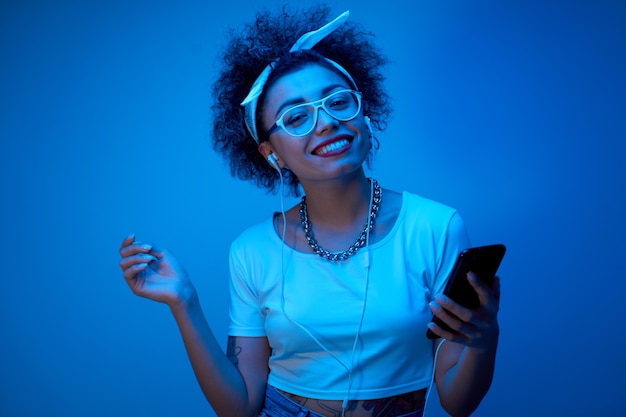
(306, 41)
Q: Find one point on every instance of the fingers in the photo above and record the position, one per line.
(131, 247)
(440, 332)
(472, 327)
(454, 315)
(135, 256)
(131, 272)
(137, 259)
(157, 252)
(488, 296)
(467, 327)
(127, 241)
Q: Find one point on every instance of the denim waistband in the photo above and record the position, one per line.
(279, 405)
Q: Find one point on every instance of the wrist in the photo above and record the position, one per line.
(488, 347)
(187, 299)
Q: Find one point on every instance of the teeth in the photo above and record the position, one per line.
(332, 147)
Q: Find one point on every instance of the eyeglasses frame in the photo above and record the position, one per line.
(317, 104)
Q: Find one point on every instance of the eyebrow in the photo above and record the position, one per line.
(300, 100)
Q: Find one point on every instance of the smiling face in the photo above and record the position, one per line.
(333, 147)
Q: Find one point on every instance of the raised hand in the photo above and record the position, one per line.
(154, 273)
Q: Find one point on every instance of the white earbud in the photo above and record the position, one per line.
(273, 161)
(368, 122)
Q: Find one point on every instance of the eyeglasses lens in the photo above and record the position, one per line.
(343, 105)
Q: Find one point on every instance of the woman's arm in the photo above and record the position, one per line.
(466, 361)
(234, 383)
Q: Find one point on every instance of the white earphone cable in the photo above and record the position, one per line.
(344, 405)
(432, 378)
(367, 275)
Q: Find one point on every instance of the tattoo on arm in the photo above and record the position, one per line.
(232, 350)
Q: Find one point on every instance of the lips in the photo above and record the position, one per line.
(333, 146)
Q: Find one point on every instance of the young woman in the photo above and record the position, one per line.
(330, 299)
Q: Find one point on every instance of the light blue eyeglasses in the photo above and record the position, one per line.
(300, 120)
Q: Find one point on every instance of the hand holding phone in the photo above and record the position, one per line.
(484, 261)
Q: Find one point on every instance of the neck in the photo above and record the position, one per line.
(336, 203)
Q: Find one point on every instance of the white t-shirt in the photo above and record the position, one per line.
(312, 317)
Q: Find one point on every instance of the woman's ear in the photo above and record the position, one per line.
(265, 149)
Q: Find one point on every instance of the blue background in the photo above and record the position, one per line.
(513, 112)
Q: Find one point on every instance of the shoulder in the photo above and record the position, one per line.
(435, 230)
(418, 204)
(254, 236)
(415, 208)
(423, 214)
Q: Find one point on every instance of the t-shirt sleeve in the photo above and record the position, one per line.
(245, 310)
(452, 242)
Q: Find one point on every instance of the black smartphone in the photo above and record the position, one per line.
(484, 261)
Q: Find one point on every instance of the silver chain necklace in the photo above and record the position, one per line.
(359, 242)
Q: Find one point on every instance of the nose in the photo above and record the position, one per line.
(325, 121)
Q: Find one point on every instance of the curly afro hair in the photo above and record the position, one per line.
(254, 46)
